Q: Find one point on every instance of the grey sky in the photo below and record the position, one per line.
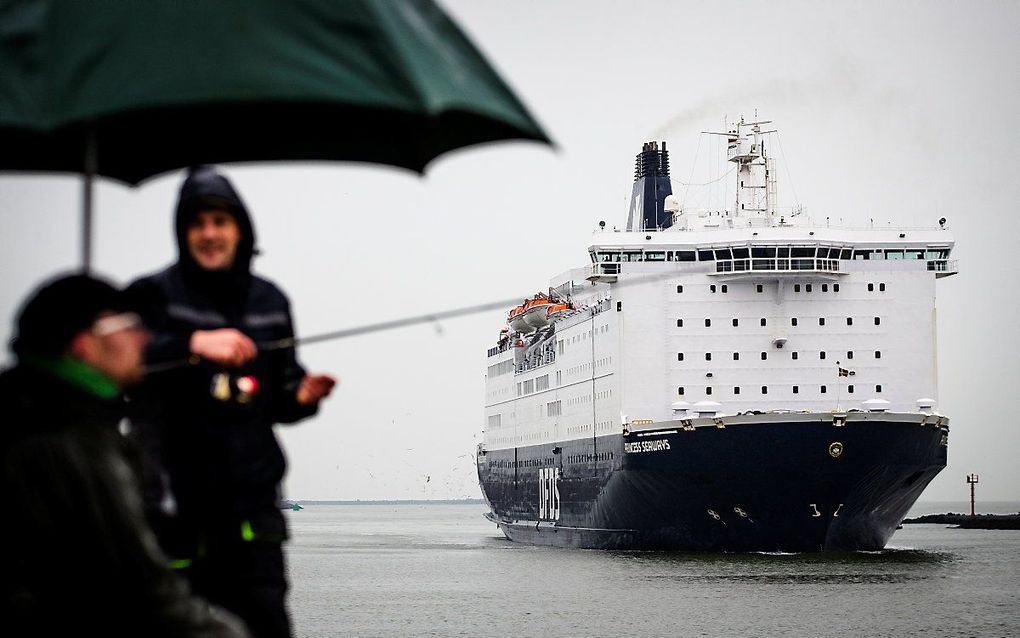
(894, 111)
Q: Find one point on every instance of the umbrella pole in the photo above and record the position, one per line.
(91, 162)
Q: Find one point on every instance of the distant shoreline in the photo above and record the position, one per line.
(966, 521)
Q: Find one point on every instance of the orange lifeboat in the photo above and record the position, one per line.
(558, 310)
(536, 311)
(516, 319)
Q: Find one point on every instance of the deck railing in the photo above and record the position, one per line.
(944, 267)
(781, 264)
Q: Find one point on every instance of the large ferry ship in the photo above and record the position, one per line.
(735, 380)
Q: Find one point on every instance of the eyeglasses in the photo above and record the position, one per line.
(105, 326)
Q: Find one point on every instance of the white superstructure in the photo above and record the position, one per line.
(727, 312)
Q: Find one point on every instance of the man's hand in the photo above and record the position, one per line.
(226, 346)
(314, 388)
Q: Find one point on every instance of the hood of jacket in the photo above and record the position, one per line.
(202, 189)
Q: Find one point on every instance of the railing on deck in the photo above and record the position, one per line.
(780, 264)
(538, 360)
(944, 267)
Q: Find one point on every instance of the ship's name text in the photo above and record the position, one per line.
(656, 445)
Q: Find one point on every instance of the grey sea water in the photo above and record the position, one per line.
(443, 570)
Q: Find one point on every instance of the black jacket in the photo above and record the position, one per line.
(79, 558)
(219, 453)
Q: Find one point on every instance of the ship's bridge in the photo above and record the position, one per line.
(822, 259)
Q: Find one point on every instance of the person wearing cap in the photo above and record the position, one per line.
(215, 465)
(80, 559)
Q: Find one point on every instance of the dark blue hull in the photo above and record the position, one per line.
(795, 484)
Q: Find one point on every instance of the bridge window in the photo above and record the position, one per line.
(655, 256)
(741, 253)
(685, 255)
(723, 253)
(705, 255)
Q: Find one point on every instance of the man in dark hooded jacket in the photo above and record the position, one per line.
(79, 557)
(207, 427)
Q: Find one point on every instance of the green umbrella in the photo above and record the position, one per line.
(130, 89)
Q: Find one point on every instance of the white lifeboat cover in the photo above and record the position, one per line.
(876, 405)
(707, 406)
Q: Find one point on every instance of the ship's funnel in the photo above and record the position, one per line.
(651, 187)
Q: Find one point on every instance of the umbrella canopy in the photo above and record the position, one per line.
(129, 90)
(132, 89)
